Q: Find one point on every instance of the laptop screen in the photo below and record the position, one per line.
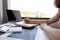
(13, 15)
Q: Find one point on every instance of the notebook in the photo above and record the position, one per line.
(24, 25)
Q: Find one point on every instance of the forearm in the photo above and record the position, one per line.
(38, 21)
(52, 33)
(49, 21)
(53, 19)
(34, 22)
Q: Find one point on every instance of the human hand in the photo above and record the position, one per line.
(26, 20)
(43, 26)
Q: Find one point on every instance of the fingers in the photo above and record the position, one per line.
(26, 20)
(43, 26)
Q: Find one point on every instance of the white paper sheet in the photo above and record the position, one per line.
(5, 34)
(5, 37)
(15, 29)
(9, 38)
(22, 23)
(10, 27)
(40, 35)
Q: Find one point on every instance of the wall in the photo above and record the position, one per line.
(1, 12)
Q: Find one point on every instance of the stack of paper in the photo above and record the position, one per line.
(9, 38)
(5, 35)
(22, 23)
(10, 29)
(15, 29)
(8, 24)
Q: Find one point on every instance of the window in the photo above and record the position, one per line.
(34, 8)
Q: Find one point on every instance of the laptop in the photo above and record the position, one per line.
(14, 15)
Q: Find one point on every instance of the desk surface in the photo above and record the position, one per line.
(30, 34)
(27, 34)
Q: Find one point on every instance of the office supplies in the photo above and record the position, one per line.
(15, 29)
(5, 37)
(9, 38)
(9, 24)
(40, 35)
(10, 27)
(5, 34)
(24, 25)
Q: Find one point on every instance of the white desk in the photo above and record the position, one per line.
(30, 34)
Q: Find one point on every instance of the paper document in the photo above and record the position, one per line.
(22, 23)
(40, 35)
(8, 24)
(9, 38)
(5, 34)
(5, 37)
(10, 29)
(15, 29)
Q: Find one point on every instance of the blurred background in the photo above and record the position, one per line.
(34, 8)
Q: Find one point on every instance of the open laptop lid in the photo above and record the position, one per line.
(14, 15)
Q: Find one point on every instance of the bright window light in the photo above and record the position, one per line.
(34, 8)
